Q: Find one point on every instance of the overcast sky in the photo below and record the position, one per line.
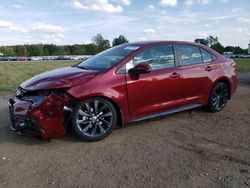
(77, 21)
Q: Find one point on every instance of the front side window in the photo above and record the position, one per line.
(158, 57)
(206, 56)
(189, 54)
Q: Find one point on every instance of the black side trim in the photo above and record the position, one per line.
(174, 110)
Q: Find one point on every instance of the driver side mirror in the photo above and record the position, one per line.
(141, 68)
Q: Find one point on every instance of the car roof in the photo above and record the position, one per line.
(144, 43)
(155, 42)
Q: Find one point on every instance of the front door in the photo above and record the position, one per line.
(157, 90)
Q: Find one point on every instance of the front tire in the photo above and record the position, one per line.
(218, 97)
(94, 118)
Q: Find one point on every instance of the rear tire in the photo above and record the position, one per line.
(218, 97)
(94, 118)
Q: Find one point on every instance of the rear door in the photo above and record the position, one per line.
(197, 70)
(157, 90)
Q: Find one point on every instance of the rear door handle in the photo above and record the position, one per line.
(208, 68)
(175, 75)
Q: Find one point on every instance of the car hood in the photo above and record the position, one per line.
(59, 78)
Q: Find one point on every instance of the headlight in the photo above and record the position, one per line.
(18, 93)
(36, 100)
(37, 97)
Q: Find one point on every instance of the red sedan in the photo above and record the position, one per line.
(128, 83)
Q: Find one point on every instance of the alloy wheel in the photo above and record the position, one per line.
(95, 118)
(219, 97)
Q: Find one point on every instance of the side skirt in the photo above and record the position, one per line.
(174, 110)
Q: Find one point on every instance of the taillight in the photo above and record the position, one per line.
(234, 65)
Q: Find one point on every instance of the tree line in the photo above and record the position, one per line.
(97, 45)
(213, 42)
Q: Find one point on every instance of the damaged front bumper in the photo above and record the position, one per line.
(24, 125)
(44, 121)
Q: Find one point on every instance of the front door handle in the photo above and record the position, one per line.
(208, 68)
(175, 75)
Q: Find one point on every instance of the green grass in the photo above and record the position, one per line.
(243, 65)
(12, 74)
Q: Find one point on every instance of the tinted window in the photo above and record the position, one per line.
(206, 56)
(159, 57)
(189, 54)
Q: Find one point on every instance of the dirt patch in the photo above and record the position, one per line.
(188, 149)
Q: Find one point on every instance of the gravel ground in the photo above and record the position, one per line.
(188, 149)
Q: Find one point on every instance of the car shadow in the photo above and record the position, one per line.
(8, 136)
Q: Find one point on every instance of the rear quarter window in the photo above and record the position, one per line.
(206, 56)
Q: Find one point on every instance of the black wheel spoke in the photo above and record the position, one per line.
(93, 132)
(224, 95)
(82, 121)
(86, 128)
(88, 108)
(107, 115)
(102, 108)
(83, 113)
(217, 104)
(214, 99)
(101, 128)
(224, 91)
(104, 121)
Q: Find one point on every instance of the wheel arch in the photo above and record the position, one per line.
(119, 112)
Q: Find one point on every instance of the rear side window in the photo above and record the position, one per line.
(189, 54)
(206, 56)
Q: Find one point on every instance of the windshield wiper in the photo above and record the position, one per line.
(80, 67)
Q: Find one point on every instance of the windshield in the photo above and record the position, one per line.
(108, 58)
